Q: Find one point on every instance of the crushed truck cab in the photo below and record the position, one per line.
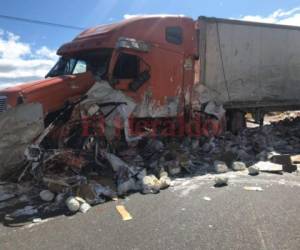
(176, 67)
(154, 76)
(150, 59)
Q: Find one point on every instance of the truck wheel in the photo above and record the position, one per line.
(236, 121)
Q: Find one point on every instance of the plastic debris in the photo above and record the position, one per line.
(84, 207)
(73, 204)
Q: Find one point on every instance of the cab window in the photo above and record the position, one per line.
(127, 67)
(68, 66)
(80, 67)
(174, 35)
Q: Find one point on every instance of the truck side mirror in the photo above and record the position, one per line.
(138, 82)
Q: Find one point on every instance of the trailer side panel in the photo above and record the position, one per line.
(250, 64)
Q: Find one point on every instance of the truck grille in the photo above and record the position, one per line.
(3, 105)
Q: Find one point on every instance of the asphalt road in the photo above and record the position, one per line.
(180, 218)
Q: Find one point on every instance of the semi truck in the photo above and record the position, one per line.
(173, 66)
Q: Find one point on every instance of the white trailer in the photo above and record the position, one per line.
(250, 66)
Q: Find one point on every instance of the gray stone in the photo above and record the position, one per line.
(19, 127)
(221, 181)
(238, 166)
(253, 170)
(220, 167)
(46, 195)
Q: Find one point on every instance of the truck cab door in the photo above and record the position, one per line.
(80, 80)
(128, 72)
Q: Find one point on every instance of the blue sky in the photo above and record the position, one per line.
(92, 12)
(37, 43)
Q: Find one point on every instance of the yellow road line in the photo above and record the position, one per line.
(123, 212)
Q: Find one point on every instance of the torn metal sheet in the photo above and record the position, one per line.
(200, 95)
(102, 93)
(18, 128)
(212, 108)
(154, 109)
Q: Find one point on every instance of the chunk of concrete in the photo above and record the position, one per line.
(221, 181)
(266, 166)
(164, 182)
(238, 166)
(220, 167)
(253, 170)
(19, 126)
(150, 184)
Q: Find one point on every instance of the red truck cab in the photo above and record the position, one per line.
(149, 58)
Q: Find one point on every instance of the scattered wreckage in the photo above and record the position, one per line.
(72, 172)
(123, 111)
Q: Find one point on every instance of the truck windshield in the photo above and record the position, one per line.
(96, 62)
(66, 66)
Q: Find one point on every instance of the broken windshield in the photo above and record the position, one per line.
(96, 62)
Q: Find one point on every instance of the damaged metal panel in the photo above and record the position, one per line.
(103, 93)
(250, 63)
(154, 109)
(18, 128)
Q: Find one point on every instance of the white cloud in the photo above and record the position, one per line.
(288, 17)
(44, 52)
(19, 62)
(127, 16)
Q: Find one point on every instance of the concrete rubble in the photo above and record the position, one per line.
(69, 167)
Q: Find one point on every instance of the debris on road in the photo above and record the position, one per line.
(46, 195)
(238, 166)
(221, 181)
(206, 198)
(288, 162)
(220, 167)
(73, 204)
(73, 164)
(253, 170)
(253, 188)
(123, 212)
(266, 166)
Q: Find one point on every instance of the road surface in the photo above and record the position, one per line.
(180, 218)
